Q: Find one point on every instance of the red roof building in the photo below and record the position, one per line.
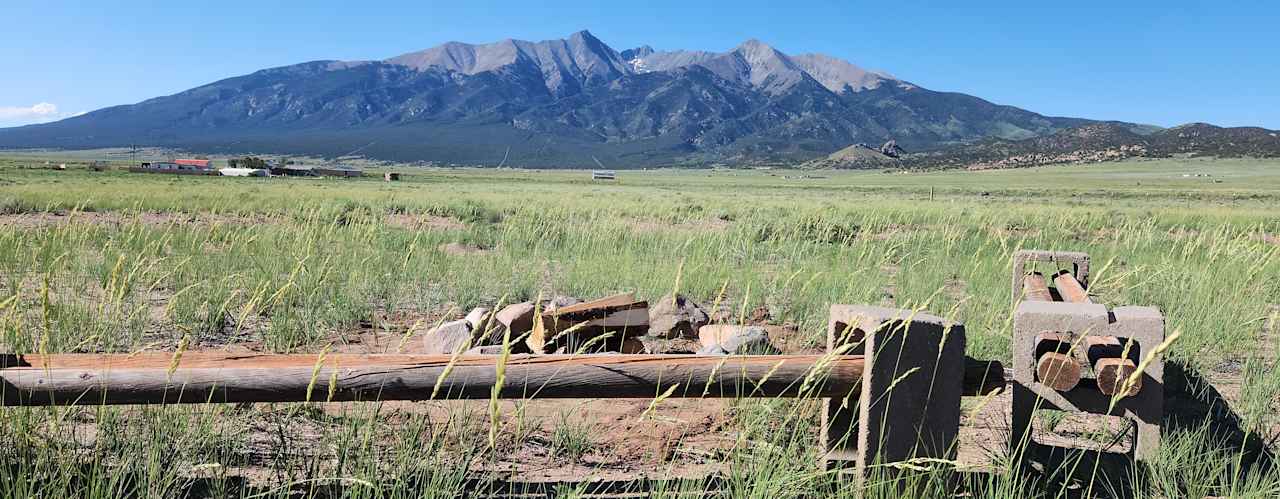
(198, 163)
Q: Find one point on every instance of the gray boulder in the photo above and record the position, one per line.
(447, 338)
(676, 316)
(518, 317)
(478, 317)
(487, 328)
(738, 340)
(712, 350)
(751, 340)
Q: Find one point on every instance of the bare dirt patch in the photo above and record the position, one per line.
(685, 437)
(889, 272)
(1269, 238)
(956, 288)
(984, 426)
(680, 438)
(423, 222)
(893, 231)
(705, 225)
(463, 249)
(1013, 231)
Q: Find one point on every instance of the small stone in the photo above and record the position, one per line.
(750, 340)
(712, 350)
(670, 345)
(447, 338)
(518, 317)
(558, 302)
(761, 314)
(741, 340)
(488, 330)
(712, 334)
(486, 350)
(676, 316)
(478, 317)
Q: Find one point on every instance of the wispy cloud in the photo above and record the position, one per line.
(43, 112)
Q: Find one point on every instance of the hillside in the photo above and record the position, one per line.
(1100, 142)
(859, 156)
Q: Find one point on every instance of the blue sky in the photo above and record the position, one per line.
(1163, 63)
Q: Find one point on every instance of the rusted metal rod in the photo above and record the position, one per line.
(1111, 367)
(199, 378)
(1070, 289)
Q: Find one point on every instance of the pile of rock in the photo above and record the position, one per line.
(620, 323)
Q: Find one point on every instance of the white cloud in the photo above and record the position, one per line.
(43, 112)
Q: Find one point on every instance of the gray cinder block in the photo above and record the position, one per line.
(1079, 266)
(908, 405)
(1144, 325)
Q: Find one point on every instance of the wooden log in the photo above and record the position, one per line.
(1070, 289)
(1056, 367)
(1058, 371)
(297, 378)
(157, 378)
(1034, 288)
(1111, 367)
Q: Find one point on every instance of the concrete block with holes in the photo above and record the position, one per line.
(1071, 322)
(908, 404)
(1024, 259)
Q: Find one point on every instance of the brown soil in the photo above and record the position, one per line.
(893, 231)
(462, 249)
(706, 225)
(423, 222)
(1008, 231)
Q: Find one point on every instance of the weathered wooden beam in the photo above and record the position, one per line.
(1034, 288)
(163, 378)
(621, 314)
(1070, 289)
(62, 380)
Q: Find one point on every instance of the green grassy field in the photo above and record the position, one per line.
(119, 262)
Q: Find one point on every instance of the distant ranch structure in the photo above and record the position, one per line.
(338, 171)
(198, 163)
(177, 167)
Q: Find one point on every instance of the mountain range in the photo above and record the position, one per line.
(557, 103)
